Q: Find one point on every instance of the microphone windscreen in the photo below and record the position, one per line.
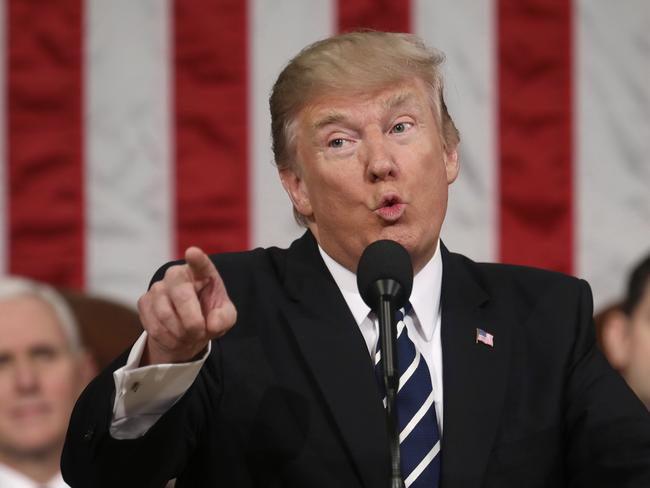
(384, 260)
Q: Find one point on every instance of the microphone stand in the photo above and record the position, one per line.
(388, 335)
(385, 280)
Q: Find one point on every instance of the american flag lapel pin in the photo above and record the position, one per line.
(484, 337)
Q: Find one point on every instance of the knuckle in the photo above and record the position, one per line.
(163, 310)
(143, 302)
(233, 311)
(222, 321)
(183, 293)
(156, 289)
(165, 315)
(230, 313)
(169, 271)
(175, 272)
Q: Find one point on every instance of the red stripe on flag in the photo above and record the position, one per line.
(211, 124)
(535, 133)
(46, 218)
(384, 15)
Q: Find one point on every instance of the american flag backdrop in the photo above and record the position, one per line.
(131, 129)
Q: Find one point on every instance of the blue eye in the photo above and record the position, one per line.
(336, 143)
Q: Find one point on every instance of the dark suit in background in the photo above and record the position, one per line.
(288, 397)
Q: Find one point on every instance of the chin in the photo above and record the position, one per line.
(407, 239)
(419, 245)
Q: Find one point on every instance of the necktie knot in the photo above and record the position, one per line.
(403, 312)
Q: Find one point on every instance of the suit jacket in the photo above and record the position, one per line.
(288, 397)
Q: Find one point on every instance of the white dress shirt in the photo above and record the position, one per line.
(10, 478)
(422, 324)
(144, 394)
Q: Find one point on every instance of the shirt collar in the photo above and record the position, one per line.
(425, 297)
(11, 477)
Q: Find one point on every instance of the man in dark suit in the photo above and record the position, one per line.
(256, 370)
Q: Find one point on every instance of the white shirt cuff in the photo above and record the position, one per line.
(144, 394)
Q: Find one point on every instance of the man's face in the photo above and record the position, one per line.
(40, 378)
(637, 370)
(372, 167)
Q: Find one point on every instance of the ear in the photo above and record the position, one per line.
(452, 164)
(616, 340)
(297, 190)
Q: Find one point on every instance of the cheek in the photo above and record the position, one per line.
(6, 384)
(337, 191)
(431, 185)
(62, 384)
(430, 163)
(7, 396)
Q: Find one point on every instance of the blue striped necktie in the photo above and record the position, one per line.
(417, 424)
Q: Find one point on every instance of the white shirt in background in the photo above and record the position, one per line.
(9, 478)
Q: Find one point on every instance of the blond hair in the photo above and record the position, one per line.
(354, 62)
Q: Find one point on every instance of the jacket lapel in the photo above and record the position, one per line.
(474, 374)
(335, 351)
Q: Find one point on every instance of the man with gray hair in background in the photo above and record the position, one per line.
(43, 368)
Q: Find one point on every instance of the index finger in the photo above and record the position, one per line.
(200, 264)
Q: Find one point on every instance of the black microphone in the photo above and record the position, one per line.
(385, 280)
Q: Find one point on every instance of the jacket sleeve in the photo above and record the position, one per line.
(93, 458)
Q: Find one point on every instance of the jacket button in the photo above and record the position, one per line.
(88, 435)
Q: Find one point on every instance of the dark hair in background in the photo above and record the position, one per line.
(639, 280)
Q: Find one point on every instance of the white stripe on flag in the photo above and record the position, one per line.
(612, 71)
(464, 30)
(279, 30)
(128, 120)
(4, 171)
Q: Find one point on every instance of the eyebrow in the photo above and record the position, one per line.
(334, 117)
(399, 99)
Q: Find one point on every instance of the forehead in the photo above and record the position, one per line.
(27, 320)
(333, 107)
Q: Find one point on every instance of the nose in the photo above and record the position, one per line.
(25, 376)
(380, 161)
